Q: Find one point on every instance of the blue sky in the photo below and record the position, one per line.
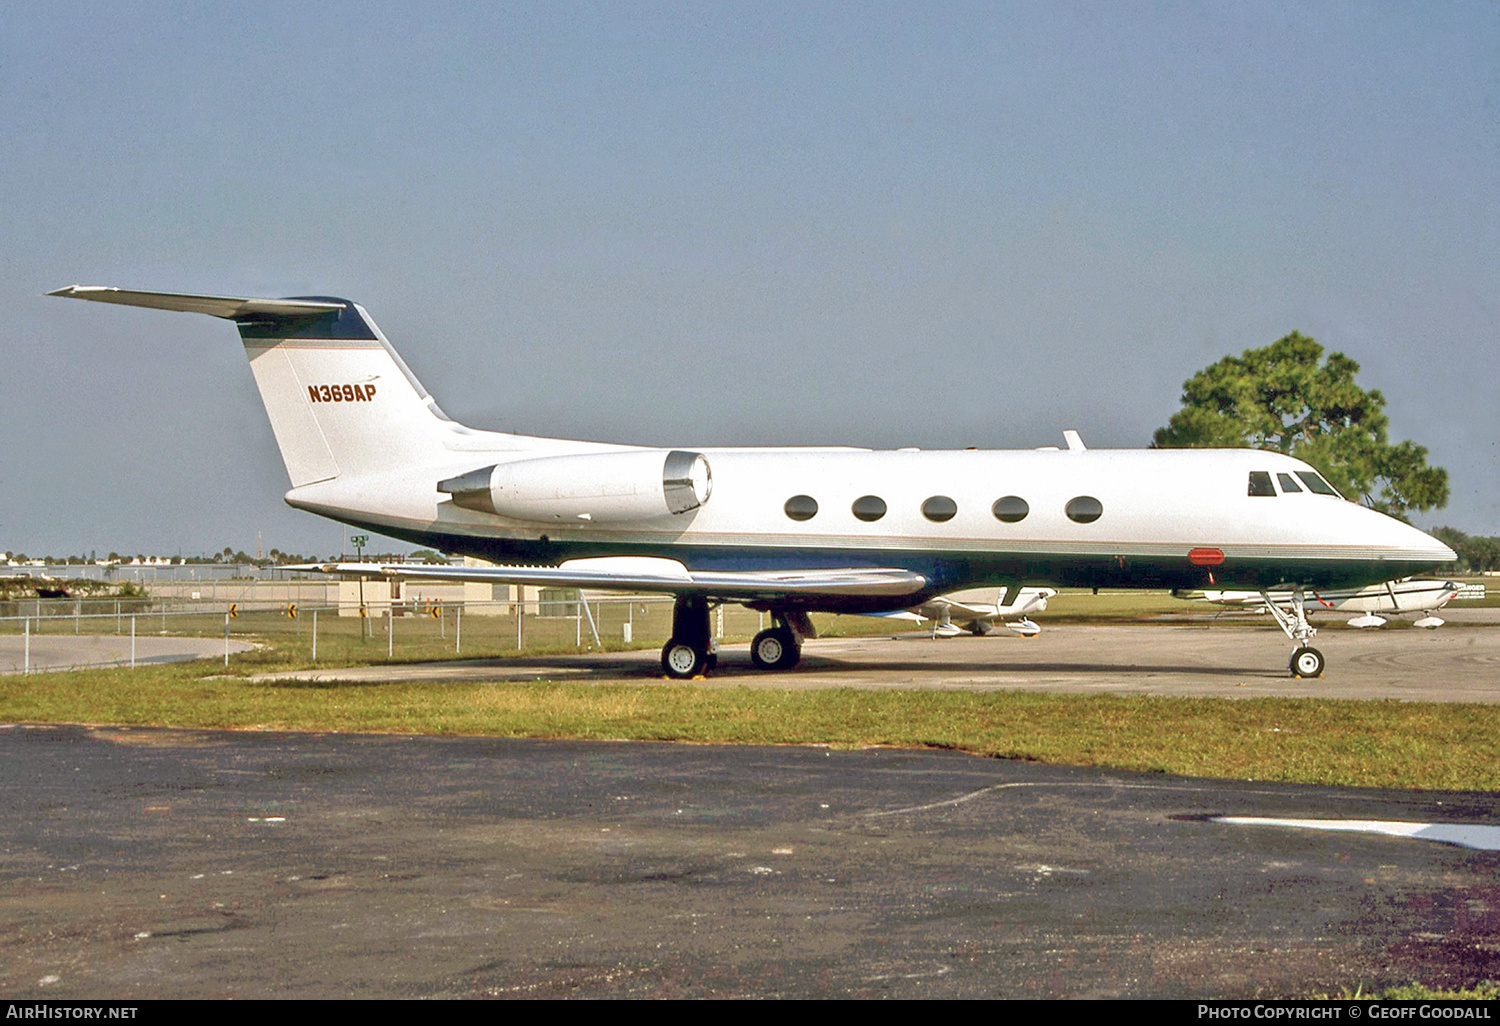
(871, 224)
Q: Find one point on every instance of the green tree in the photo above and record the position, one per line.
(1285, 397)
(1474, 552)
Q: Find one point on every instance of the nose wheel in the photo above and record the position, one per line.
(1307, 663)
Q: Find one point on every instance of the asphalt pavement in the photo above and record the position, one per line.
(40, 653)
(166, 864)
(1458, 663)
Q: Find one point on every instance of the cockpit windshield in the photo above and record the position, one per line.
(1260, 484)
(1316, 484)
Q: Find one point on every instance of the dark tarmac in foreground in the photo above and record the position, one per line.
(170, 864)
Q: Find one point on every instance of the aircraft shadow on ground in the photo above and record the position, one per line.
(736, 668)
(825, 665)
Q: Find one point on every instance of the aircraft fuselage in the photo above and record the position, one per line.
(1139, 518)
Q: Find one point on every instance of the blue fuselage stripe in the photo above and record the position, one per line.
(946, 572)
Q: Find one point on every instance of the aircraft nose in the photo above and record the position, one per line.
(1446, 554)
(1402, 541)
(1425, 546)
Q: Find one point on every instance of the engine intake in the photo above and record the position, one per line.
(611, 487)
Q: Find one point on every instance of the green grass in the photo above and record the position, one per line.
(1372, 744)
(1377, 744)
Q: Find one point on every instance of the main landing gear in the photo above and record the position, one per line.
(779, 647)
(776, 648)
(691, 651)
(1306, 662)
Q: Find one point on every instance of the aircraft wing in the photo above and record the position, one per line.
(1247, 599)
(975, 609)
(651, 574)
(986, 604)
(943, 605)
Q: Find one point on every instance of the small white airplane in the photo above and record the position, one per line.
(785, 531)
(1393, 597)
(976, 610)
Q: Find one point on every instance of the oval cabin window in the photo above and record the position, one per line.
(801, 507)
(939, 509)
(869, 507)
(1084, 510)
(1010, 510)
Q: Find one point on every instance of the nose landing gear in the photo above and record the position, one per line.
(1306, 662)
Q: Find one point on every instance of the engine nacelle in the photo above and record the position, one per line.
(600, 488)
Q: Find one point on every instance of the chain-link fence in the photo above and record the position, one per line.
(404, 631)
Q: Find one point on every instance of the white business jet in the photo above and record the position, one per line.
(784, 531)
(1393, 598)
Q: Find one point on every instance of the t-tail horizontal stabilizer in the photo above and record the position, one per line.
(234, 308)
(340, 400)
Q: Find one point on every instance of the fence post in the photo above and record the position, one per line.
(593, 628)
(132, 642)
(315, 636)
(390, 632)
(226, 638)
(26, 665)
(458, 628)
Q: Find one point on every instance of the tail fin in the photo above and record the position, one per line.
(340, 401)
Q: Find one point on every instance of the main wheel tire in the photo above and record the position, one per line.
(775, 649)
(682, 661)
(1307, 663)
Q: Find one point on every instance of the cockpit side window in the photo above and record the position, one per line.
(1288, 483)
(1316, 484)
(1260, 484)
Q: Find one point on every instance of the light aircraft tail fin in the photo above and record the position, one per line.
(340, 400)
